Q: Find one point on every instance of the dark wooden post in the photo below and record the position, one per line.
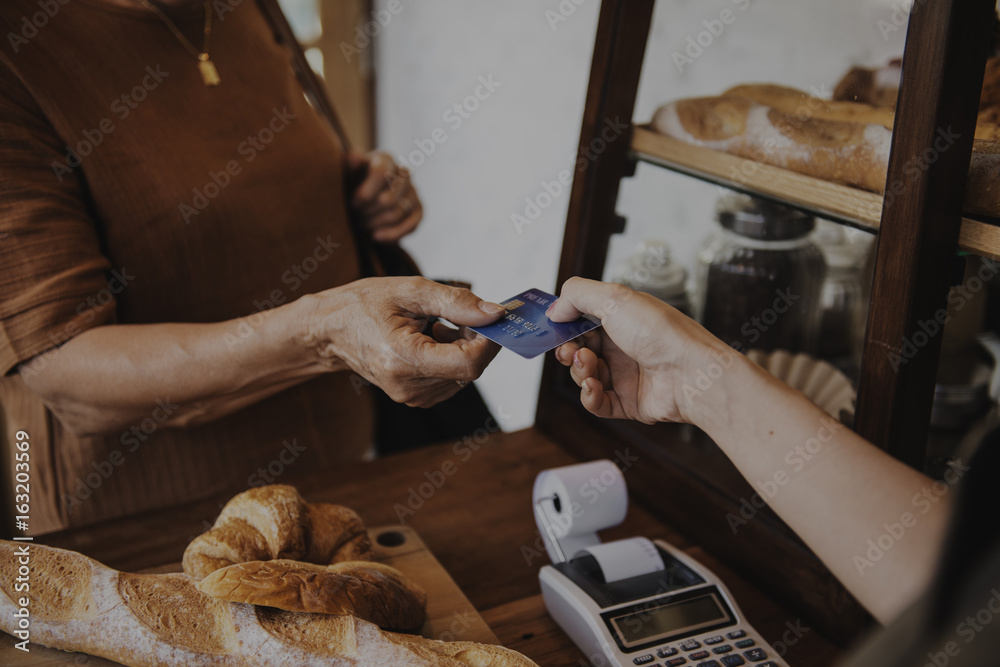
(603, 152)
(943, 65)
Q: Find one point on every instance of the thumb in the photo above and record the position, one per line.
(456, 304)
(579, 296)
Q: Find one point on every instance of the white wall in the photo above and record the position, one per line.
(432, 54)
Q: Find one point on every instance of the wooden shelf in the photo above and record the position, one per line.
(847, 205)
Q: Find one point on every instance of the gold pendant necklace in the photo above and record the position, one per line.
(209, 74)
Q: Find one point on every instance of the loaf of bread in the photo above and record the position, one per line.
(846, 152)
(269, 522)
(982, 195)
(375, 592)
(879, 87)
(840, 142)
(798, 103)
(78, 604)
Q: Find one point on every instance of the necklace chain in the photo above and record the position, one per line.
(208, 71)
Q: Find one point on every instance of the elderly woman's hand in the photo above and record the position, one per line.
(385, 197)
(375, 328)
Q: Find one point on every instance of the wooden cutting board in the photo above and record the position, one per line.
(450, 615)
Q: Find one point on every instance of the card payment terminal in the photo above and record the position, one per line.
(635, 601)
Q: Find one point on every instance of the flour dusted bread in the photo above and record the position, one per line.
(78, 604)
(844, 142)
(319, 632)
(799, 103)
(274, 521)
(877, 87)
(375, 592)
(851, 153)
(802, 105)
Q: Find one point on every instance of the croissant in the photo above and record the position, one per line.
(272, 522)
(373, 591)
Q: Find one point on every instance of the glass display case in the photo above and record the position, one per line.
(919, 228)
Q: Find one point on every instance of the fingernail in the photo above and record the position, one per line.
(586, 389)
(491, 308)
(576, 359)
(547, 312)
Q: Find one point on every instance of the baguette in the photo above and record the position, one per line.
(375, 592)
(78, 604)
(877, 87)
(270, 522)
(854, 154)
(802, 104)
(880, 86)
(843, 151)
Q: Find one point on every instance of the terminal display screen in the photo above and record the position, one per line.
(670, 619)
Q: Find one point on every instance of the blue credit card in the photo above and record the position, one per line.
(526, 330)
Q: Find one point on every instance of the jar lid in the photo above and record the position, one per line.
(843, 250)
(650, 270)
(762, 219)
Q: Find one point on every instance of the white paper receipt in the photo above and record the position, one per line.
(626, 558)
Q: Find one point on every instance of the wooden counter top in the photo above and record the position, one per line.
(471, 504)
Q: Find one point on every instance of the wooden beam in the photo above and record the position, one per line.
(603, 151)
(943, 66)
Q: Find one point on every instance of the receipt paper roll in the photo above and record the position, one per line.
(625, 558)
(585, 498)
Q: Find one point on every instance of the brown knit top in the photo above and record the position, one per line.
(130, 192)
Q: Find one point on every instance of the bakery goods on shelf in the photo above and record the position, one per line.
(840, 141)
(879, 87)
(845, 152)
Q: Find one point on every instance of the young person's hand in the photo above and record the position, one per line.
(642, 363)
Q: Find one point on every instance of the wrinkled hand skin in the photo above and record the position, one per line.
(374, 327)
(385, 198)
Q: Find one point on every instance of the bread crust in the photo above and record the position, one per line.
(372, 591)
(829, 142)
(877, 87)
(156, 620)
(801, 104)
(334, 534)
(275, 522)
(851, 153)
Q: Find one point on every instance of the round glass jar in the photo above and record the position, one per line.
(760, 277)
(843, 300)
(651, 270)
